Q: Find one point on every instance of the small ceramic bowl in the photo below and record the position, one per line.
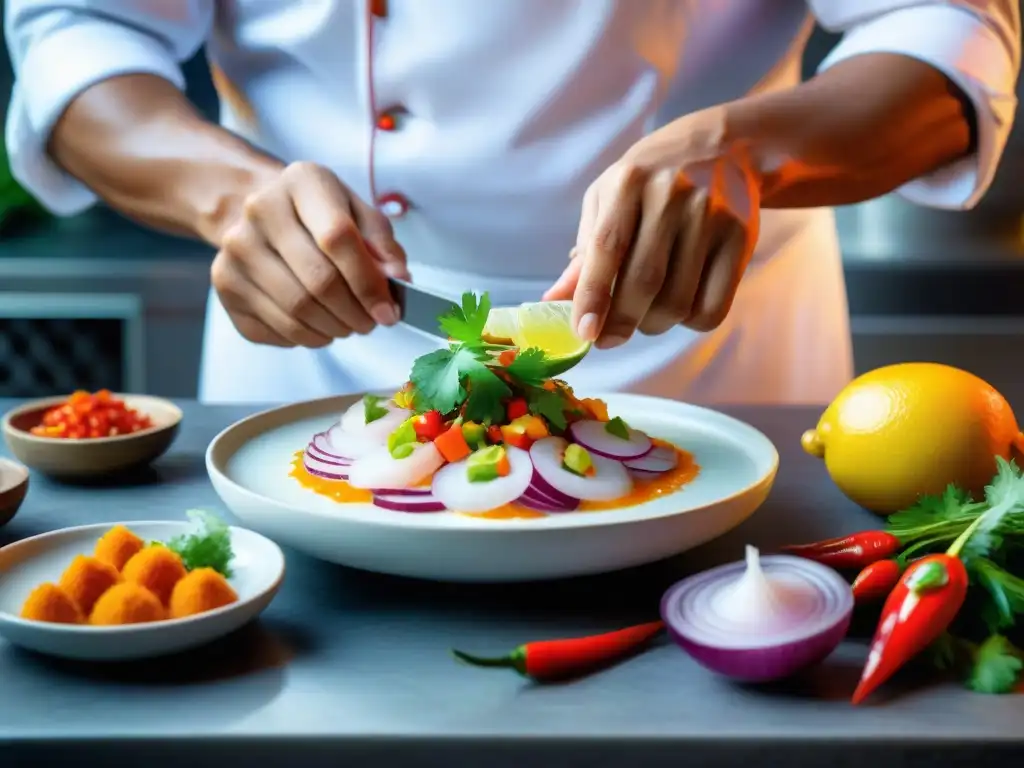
(13, 487)
(90, 457)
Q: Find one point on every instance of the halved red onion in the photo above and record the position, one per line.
(609, 480)
(399, 502)
(452, 486)
(657, 460)
(382, 470)
(593, 436)
(762, 619)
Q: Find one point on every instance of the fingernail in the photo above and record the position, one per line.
(588, 327)
(396, 270)
(385, 314)
(610, 342)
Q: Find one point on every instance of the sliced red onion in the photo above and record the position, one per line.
(327, 469)
(320, 454)
(326, 475)
(398, 502)
(593, 436)
(454, 489)
(338, 442)
(643, 474)
(380, 469)
(609, 481)
(541, 503)
(759, 620)
(414, 492)
(542, 489)
(657, 460)
(334, 461)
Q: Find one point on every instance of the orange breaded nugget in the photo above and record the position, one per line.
(86, 579)
(117, 546)
(157, 568)
(127, 603)
(48, 602)
(201, 590)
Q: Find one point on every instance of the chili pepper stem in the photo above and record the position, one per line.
(961, 540)
(515, 660)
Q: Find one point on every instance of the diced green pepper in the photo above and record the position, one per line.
(483, 465)
(372, 408)
(403, 451)
(577, 460)
(404, 434)
(474, 434)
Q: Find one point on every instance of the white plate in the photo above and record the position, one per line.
(257, 571)
(249, 464)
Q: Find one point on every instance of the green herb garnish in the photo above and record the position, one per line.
(372, 408)
(618, 428)
(209, 547)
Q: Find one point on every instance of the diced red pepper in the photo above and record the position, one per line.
(516, 437)
(429, 425)
(507, 357)
(494, 434)
(516, 408)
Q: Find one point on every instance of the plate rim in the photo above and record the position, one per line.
(216, 466)
(147, 627)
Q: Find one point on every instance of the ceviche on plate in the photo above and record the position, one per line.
(484, 427)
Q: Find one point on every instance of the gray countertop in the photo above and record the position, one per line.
(351, 666)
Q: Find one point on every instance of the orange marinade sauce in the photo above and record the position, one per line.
(643, 490)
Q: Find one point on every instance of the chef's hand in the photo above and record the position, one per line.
(664, 238)
(307, 262)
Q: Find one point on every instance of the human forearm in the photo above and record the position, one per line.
(141, 146)
(860, 130)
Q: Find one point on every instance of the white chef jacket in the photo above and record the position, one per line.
(505, 111)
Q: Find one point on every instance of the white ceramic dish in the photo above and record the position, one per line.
(258, 569)
(249, 464)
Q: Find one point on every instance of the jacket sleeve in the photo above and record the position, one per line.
(975, 43)
(60, 49)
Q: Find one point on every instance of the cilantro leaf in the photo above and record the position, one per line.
(996, 667)
(209, 547)
(437, 379)
(617, 428)
(1004, 590)
(953, 504)
(486, 392)
(529, 367)
(550, 405)
(372, 408)
(1005, 497)
(466, 323)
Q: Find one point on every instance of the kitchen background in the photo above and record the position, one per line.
(94, 301)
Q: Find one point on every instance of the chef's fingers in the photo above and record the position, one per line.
(565, 286)
(380, 237)
(643, 273)
(588, 219)
(721, 280)
(324, 206)
(602, 255)
(695, 237)
(256, 316)
(737, 237)
(302, 280)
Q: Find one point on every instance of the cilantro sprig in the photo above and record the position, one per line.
(467, 375)
(981, 646)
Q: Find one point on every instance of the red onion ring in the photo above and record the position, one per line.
(737, 652)
(405, 503)
(544, 489)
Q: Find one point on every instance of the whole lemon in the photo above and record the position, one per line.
(905, 430)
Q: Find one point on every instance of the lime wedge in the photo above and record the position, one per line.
(546, 325)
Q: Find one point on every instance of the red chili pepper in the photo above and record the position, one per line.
(854, 551)
(517, 407)
(561, 659)
(876, 581)
(429, 425)
(920, 607)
